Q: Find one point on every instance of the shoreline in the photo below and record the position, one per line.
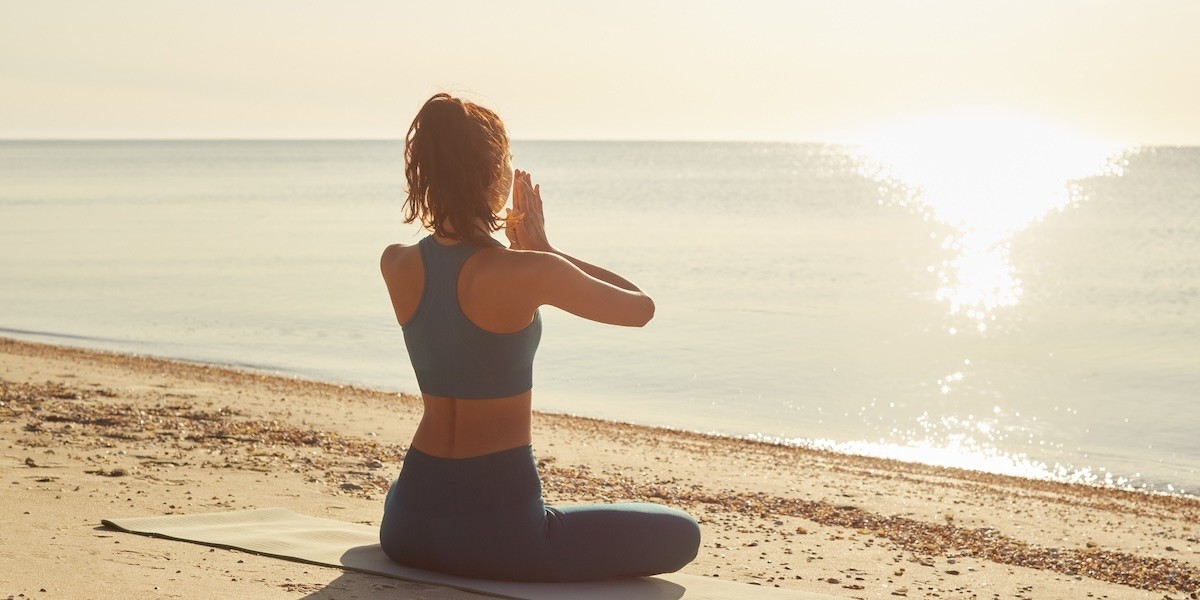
(788, 516)
(773, 441)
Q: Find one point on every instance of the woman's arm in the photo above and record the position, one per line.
(564, 281)
(553, 279)
(601, 273)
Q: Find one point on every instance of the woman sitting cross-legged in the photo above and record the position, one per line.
(468, 500)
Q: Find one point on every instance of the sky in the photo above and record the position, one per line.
(821, 71)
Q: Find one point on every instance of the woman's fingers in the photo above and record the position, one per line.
(522, 191)
(527, 230)
(524, 179)
(519, 191)
(516, 194)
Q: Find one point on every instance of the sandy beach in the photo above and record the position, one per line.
(89, 435)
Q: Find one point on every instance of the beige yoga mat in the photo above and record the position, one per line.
(291, 536)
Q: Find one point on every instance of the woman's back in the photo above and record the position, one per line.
(479, 401)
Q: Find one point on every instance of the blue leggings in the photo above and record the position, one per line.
(483, 517)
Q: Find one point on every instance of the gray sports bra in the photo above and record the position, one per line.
(451, 355)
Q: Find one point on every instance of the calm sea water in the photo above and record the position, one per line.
(1051, 330)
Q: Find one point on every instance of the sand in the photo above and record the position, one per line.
(88, 435)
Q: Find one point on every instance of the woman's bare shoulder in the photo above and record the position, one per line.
(511, 272)
(513, 262)
(398, 258)
(398, 249)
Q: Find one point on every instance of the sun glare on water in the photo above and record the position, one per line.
(987, 177)
(979, 179)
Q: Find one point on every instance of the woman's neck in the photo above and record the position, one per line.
(451, 237)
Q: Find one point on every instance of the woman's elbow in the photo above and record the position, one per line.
(645, 311)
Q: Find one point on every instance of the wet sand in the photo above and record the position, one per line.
(88, 435)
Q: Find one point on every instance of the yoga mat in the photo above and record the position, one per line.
(284, 534)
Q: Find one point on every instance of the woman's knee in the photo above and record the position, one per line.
(670, 536)
(685, 535)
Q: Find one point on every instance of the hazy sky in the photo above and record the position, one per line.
(786, 70)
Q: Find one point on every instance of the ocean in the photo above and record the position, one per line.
(1006, 310)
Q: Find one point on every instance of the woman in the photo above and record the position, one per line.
(468, 500)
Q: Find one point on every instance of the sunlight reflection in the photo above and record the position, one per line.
(979, 179)
(958, 450)
(987, 177)
(970, 443)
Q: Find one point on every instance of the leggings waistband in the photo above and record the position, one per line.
(480, 484)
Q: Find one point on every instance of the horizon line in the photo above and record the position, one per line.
(400, 139)
(522, 140)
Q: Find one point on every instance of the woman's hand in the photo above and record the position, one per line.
(525, 224)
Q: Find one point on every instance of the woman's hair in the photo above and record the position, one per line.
(454, 157)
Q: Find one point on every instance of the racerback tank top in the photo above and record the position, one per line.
(454, 357)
